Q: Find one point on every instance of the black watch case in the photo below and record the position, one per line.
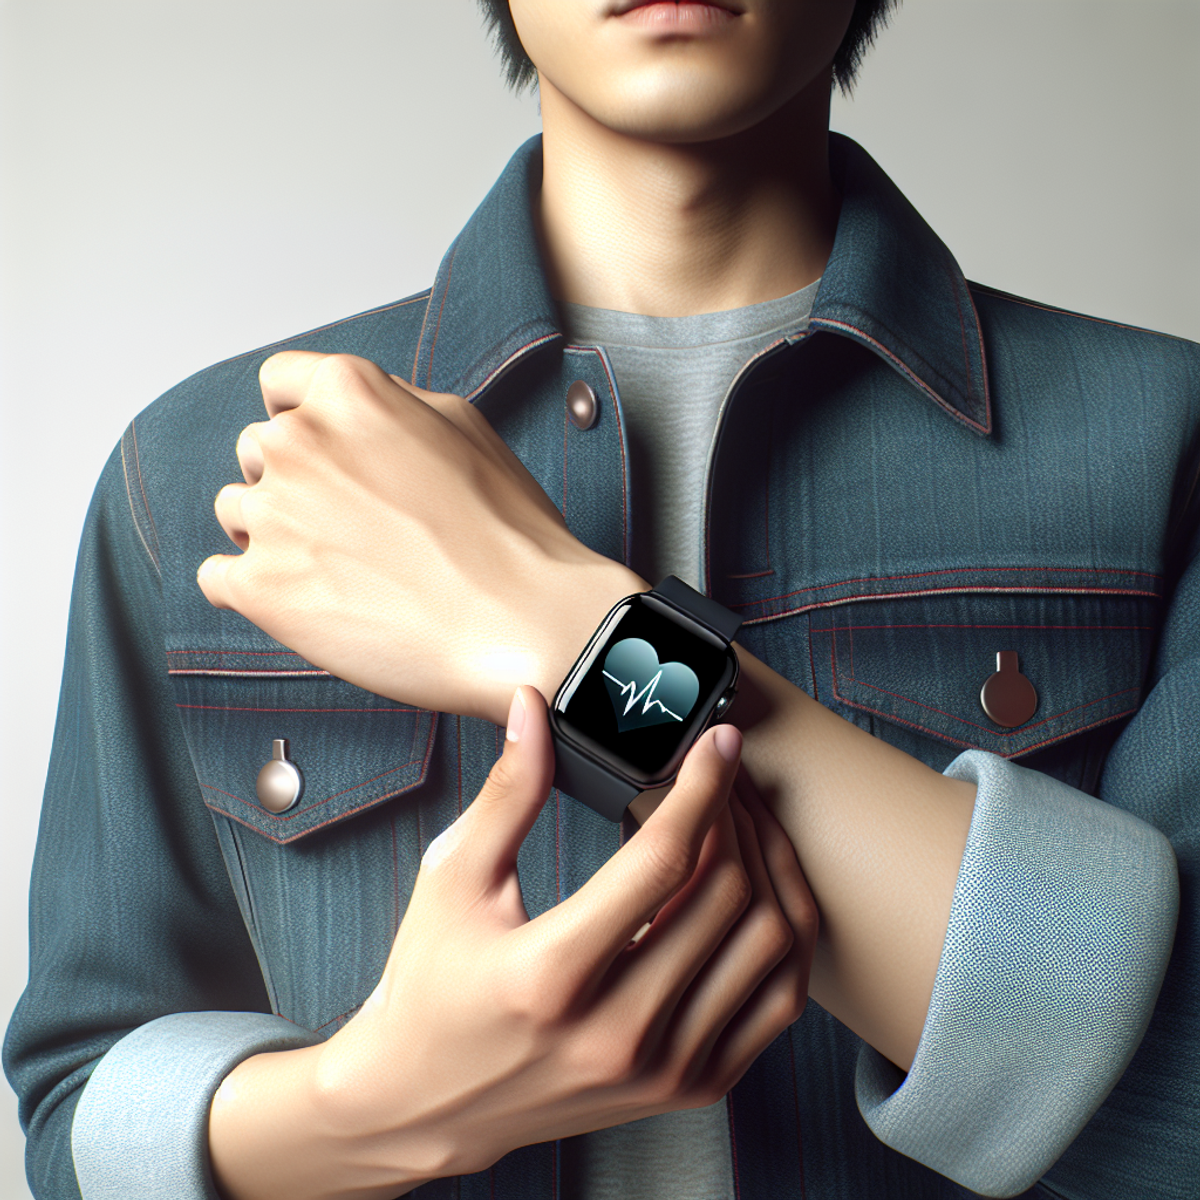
(649, 682)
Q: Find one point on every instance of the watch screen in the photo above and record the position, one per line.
(645, 689)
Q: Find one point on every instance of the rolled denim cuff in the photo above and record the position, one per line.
(141, 1125)
(1060, 931)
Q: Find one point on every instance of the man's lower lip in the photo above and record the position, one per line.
(668, 16)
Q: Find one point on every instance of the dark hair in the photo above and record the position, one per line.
(868, 18)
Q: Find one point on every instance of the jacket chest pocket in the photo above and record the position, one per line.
(351, 749)
(913, 669)
(1010, 674)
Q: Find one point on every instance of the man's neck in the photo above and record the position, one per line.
(672, 230)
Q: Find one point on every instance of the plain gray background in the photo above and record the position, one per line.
(184, 180)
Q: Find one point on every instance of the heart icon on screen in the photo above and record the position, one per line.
(644, 691)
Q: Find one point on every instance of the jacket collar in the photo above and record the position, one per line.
(890, 284)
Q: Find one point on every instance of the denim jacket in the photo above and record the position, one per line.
(933, 474)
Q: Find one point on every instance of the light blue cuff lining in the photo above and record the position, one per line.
(1060, 931)
(141, 1126)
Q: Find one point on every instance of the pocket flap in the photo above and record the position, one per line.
(922, 663)
(353, 749)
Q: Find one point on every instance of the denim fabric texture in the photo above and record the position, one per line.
(931, 474)
(162, 1125)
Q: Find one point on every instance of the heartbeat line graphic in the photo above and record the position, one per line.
(634, 695)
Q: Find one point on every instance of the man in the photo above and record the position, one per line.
(995, 932)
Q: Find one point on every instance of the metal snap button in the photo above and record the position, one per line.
(1008, 697)
(582, 406)
(279, 783)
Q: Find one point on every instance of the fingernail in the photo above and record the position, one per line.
(728, 740)
(516, 718)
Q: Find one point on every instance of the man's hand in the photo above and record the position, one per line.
(391, 537)
(489, 1031)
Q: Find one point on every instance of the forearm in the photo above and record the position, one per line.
(879, 834)
(880, 837)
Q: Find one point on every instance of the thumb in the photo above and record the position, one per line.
(488, 835)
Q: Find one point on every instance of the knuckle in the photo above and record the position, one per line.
(773, 935)
(706, 1093)
(531, 1001)
(786, 1006)
(336, 372)
(733, 887)
(257, 508)
(503, 779)
(668, 858)
(668, 1086)
(599, 1060)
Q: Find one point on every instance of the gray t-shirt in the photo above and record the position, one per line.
(673, 375)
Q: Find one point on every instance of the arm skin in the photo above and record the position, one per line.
(507, 595)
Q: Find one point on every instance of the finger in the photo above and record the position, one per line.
(781, 997)
(635, 884)
(250, 454)
(485, 840)
(286, 377)
(213, 579)
(754, 947)
(687, 932)
(228, 507)
(787, 876)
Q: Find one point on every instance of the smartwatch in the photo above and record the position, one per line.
(655, 674)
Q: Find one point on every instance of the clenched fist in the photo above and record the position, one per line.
(390, 537)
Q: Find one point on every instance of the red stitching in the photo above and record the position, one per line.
(904, 369)
(822, 587)
(922, 625)
(341, 816)
(1070, 312)
(987, 386)
(341, 1017)
(370, 312)
(313, 807)
(566, 430)
(438, 327)
(795, 336)
(612, 393)
(218, 673)
(137, 459)
(516, 354)
(974, 746)
(236, 708)
(256, 653)
(950, 591)
(133, 513)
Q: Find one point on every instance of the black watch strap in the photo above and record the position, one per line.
(708, 612)
(588, 781)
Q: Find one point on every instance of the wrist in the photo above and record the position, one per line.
(574, 598)
(274, 1129)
